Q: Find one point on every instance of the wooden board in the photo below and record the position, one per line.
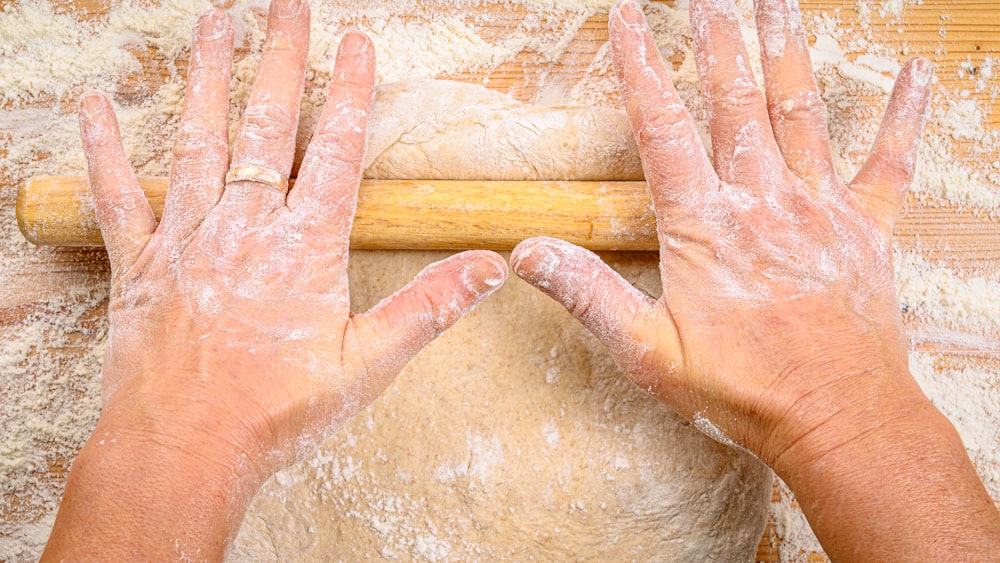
(950, 32)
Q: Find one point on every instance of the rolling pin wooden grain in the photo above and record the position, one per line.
(403, 214)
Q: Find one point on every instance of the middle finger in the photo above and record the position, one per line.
(743, 144)
(201, 151)
(798, 114)
(266, 136)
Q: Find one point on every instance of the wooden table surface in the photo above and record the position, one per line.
(949, 32)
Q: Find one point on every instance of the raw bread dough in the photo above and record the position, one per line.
(443, 130)
(512, 437)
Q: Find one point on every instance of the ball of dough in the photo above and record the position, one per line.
(512, 437)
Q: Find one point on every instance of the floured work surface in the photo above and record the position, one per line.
(948, 245)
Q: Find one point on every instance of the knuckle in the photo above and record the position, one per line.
(204, 71)
(666, 123)
(195, 140)
(341, 139)
(280, 44)
(267, 121)
(358, 84)
(803, 105)
(891, 167)
(443, 312)
(581, 305)
(737, 96)
(349, 114)
(341, 150)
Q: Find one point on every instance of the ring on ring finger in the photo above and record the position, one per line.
(257, 174)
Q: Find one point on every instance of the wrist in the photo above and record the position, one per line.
(889, 463)
(194, 415)
(183, 439)
(149, 495)
(828, 404)
(882, 425)
(215, 440)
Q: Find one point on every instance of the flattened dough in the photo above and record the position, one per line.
(443, 130)
(512, 437)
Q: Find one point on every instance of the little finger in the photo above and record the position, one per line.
(125, 217)
(886, 175)
(326, 191)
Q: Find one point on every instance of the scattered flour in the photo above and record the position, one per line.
(51, 347)
(797, 539)
(941, 295)
(50, 397)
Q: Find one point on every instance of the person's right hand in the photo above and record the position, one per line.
(779, 327)
(779, 308)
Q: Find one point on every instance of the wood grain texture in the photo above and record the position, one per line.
(403, 214)
(951, 33)
(495, 215)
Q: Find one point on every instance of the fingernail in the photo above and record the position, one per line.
(353, 44)
(287, 9)
(923, 72)
(546, 263)
(485, 276)
(91, 104)
(212, 25)
(497, 275)
(773, 13)
(629, 13)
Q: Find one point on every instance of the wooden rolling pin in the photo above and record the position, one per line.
(403, 214)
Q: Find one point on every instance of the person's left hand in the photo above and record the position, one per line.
(231, 338)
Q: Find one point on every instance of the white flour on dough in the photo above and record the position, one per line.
(512, 437)
(439, 129)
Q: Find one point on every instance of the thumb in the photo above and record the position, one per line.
(619, 315)
(392, 332)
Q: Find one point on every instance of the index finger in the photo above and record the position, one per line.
(673, 158)
(326, 190)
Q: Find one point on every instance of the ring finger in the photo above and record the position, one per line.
(266, 136)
